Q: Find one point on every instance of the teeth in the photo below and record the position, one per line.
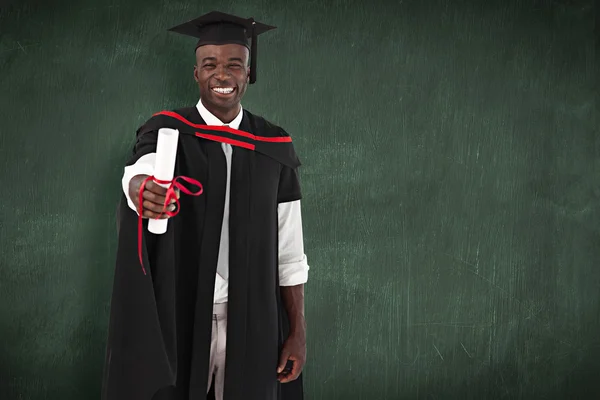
(223, 90)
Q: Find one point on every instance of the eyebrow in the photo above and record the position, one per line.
(214, 59)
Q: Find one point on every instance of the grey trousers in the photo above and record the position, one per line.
(216, 371)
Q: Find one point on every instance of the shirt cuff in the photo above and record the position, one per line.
(294, 273)
(143, 166)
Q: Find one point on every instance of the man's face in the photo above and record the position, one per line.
(222, 74)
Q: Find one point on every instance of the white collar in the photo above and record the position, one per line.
(210, 118)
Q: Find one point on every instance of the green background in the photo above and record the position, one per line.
(451, 186)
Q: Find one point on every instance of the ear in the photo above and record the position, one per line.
(196, 73)
(248, 75)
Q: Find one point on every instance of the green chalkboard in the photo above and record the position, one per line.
(451, 185)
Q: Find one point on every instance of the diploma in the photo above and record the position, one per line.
(164, 168)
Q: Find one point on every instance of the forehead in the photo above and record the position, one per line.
(225, 51)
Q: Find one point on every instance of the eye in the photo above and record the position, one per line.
(209, 66)
(235, 66)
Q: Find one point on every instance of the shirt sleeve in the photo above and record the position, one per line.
(293, 265)
(143, 166)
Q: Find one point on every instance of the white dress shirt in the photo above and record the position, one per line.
(293, 266)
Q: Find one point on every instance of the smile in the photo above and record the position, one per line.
(223, 90)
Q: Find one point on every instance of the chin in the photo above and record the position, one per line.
(225, 102)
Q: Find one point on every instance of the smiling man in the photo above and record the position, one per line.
(220, 313)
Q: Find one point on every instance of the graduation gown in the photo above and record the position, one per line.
(160, 323)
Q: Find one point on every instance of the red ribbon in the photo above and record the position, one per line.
(170, 195)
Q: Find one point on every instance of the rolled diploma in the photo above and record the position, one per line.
(166, 151)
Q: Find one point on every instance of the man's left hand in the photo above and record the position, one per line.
(294, 350)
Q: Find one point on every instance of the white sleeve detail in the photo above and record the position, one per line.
(293, 265)
(143, 166)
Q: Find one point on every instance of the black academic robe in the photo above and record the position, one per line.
(160, 323)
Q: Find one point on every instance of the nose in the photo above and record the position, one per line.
(221, 73)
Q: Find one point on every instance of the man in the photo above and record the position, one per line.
(222, 303)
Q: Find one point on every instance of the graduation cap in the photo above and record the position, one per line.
(219, 28)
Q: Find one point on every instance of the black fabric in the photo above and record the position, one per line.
(222, 33)
(219, 28)
(160, 324)
(289, 185)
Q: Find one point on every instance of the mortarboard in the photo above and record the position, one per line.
(219, 28)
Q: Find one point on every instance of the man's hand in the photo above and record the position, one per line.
(154, 197)
(294, 350)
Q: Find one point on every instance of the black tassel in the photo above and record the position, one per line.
(253, 51)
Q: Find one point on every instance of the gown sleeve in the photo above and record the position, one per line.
(289, 185)
(146, 139)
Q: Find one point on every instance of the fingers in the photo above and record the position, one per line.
(153, 210)
(154, 215)
(156, 198)
(155, 188)
(291, 375)
(283, 359)
(153, 201)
